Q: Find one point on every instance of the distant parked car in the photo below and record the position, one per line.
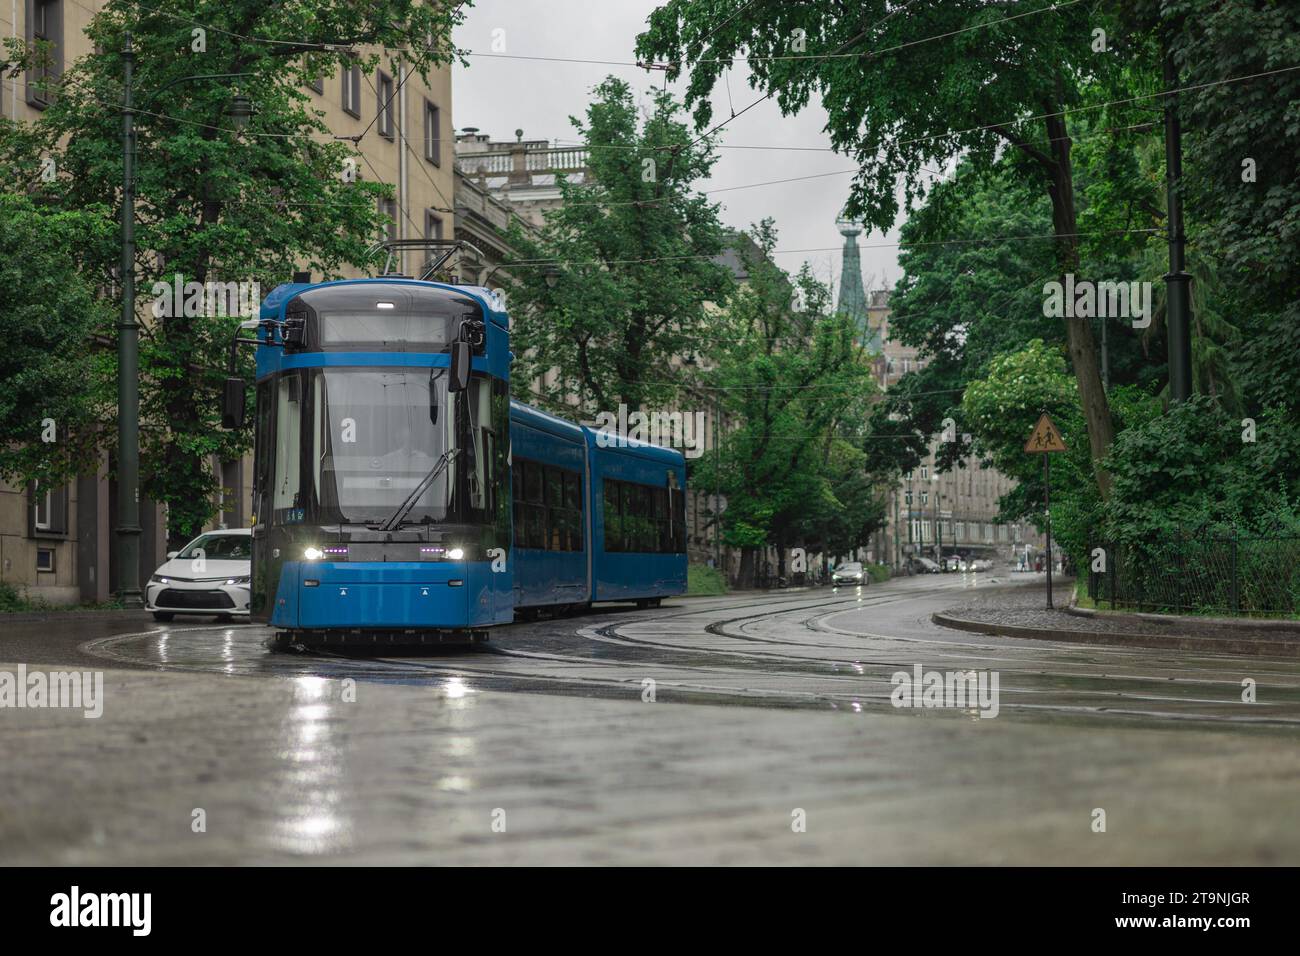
(979, 564)
(850, 572)
(924, 566)
(210, 575)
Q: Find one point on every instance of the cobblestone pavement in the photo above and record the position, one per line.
(547, 748)
(1027, 608)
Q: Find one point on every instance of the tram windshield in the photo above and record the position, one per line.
(378, 434)
(351, 445)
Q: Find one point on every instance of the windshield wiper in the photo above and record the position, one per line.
(405, 507)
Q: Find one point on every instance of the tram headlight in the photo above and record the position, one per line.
(313, 554)
(455, 554)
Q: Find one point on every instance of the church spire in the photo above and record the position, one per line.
(853, 297)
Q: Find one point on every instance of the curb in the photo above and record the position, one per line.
(1262, 647)
(36, 617)
(1291, 628)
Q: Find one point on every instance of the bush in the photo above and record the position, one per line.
(702, 579)
(10, 600)
(878, 572)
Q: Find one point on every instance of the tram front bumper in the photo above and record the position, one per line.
(384, 595)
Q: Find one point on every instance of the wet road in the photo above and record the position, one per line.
(703, 732)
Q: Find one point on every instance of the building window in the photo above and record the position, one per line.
(352, 91)
(318, 85)
(45, 560)
(45, 24)
(432, 225)
(388, 207)
(49, 511)
(432, 133)
(384, 105)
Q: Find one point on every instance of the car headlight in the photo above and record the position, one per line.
(313, 554)
(241, 580)
(455, 554)
(158, 580)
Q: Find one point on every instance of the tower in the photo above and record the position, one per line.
(852, 299)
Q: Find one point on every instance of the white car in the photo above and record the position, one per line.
(210, 575)
(849, 573)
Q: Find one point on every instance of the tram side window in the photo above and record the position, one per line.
(262, 474)
(286, 481)
(643, 518)
(613, 517)
(544, 516)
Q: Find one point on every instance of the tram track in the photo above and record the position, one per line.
(729, 659)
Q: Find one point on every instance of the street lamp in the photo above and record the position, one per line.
(938, 527)
(128, 336)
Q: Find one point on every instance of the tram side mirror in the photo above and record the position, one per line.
(458, 381)
(232, 404)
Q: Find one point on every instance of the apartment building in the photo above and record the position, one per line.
(56, 544)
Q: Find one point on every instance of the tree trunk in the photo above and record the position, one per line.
(1078, 331)
(745, 576)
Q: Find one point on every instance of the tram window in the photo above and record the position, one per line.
(288, 444)
(643, 518)
(542, 517)
(613, 517)
(554, 488)
(535, 524)
(481, 465)
(262, 476)
(533, 483)
(572, 490)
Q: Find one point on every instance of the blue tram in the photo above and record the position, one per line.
(400, 496)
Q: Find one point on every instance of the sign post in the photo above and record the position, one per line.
(1044, 440)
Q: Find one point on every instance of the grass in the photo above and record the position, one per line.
(702, 579)
(12, 601)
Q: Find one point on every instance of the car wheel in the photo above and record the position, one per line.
(163, 615)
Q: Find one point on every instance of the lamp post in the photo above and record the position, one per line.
(938, 528)
(128, 338)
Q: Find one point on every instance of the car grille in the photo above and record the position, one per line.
(173, 597)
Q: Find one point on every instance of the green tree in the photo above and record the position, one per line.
(790, 380)
(908, 86)
(619, 282)
(214, 205)
(1001, 410)
(54, 393)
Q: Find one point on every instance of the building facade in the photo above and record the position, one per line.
(929, 513)
(56, 544)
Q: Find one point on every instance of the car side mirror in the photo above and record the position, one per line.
(232, 404)
(458, 381)
(172, 554)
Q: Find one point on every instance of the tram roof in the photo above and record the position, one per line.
(491, 303)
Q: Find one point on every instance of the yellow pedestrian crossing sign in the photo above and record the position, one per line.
(1045, 437)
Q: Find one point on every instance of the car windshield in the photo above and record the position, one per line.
(849, 567)
(220, 547)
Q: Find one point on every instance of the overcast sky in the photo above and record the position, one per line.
(501, 95)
